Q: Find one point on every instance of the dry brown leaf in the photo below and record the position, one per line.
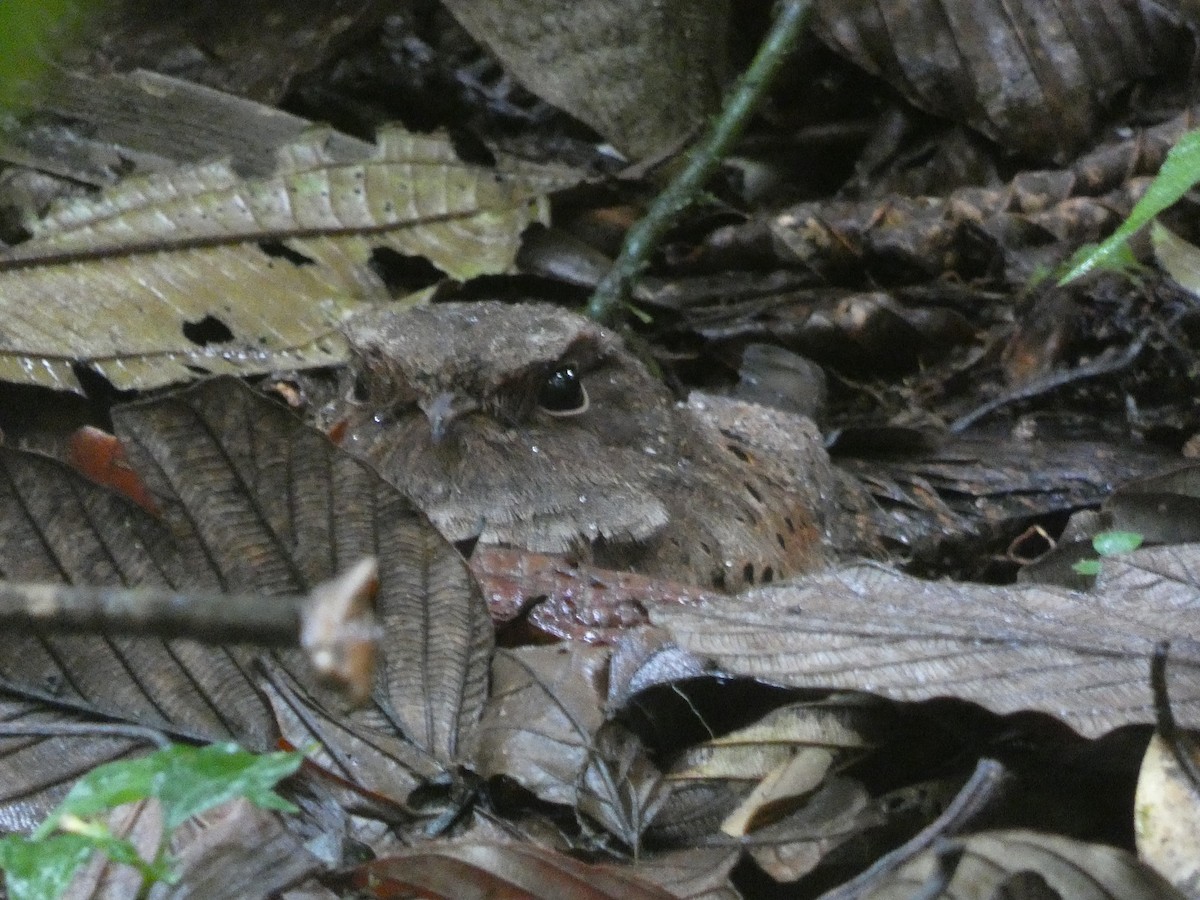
(1031, 75)
(1166, 816)
(271, 502)
(643, 75)
(198, 270)
(255, 500)
(250, 48)
(1077, 871)
(450, 871)
(698, 873)
(1081, 657)
(97, 128)
(1163, 508)
(545, 728)
(837, 812)
(786, 784)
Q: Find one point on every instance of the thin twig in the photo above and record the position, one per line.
(1102, 366)
(614, 288)
(975, 795)
(153, 611)
(1181, 746)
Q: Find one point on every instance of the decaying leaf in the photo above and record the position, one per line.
(1083, 658)
(1167, 816)
(545, 728)
(500, 870)
(1073, 869)
(253, 500)
(643, 75)
(196, 271)
(1030, 75)
(273, 503)
(1162, 508)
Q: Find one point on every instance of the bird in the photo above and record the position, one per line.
(530, 426)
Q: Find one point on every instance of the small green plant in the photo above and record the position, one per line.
(186, 781)
(1180, 172)
(1108, 543)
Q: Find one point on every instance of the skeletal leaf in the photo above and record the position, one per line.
(173, 275)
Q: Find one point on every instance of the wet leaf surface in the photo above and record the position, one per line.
(1083, 658)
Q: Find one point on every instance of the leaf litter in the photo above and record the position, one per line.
(907, 640)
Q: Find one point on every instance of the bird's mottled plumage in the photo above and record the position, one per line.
(447, 405)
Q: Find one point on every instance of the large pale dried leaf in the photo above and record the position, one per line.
(642, 74)
(277, 507)
(1077, 871)
(1032, 75)
(545, 728)
(196, 271)
(1081, 657)
(478, 870)
(1166, 816)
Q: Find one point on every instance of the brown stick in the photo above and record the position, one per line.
(333, 623)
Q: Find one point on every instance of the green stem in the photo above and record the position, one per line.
(613, 290)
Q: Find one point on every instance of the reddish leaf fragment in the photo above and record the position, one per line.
(98, 455)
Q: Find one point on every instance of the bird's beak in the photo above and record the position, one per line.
(442, 412)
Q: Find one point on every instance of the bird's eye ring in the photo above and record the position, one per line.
(562, 393)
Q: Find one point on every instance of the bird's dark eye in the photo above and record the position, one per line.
(562, 392)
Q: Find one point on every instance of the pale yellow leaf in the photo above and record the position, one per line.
(198, 271)
(1167, 817)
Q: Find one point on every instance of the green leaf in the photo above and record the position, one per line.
(187, 781)
(211, 775)
(42, 869)
(1108, 543)
(1087, 567)
(28, 28)
(1179, 173)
